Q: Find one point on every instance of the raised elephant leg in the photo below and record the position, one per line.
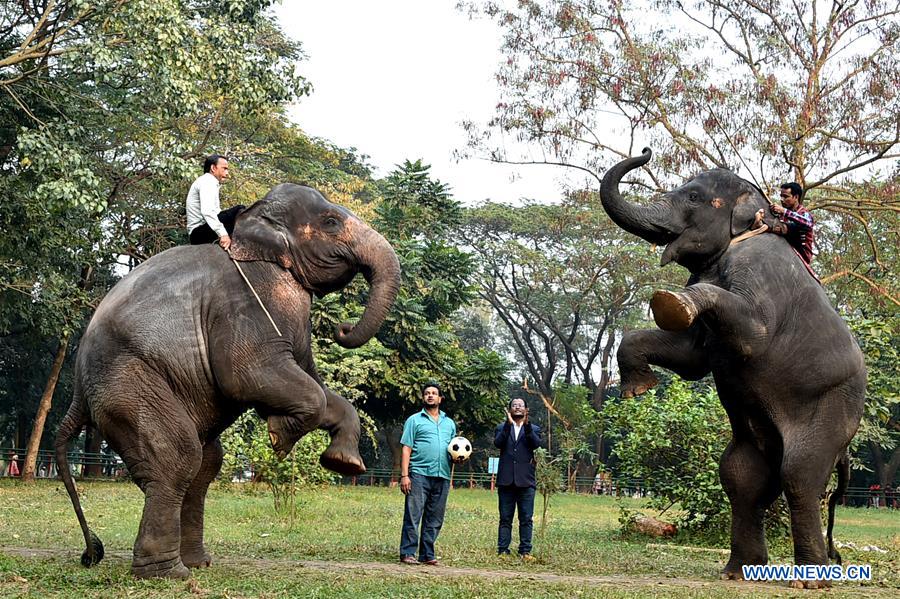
(751, 486)
(290, 400)
(733, 316)
(193, 552)
(342, 423)
(679, 352)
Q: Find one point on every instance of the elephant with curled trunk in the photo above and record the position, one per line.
(181, 346)
(787, 369)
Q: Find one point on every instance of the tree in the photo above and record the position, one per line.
(417, 342)
(564, 283)
(871, 310)
(106, 102)
(776, 90)
(879, 434)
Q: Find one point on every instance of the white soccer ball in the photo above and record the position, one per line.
(460, 449)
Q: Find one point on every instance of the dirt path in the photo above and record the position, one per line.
(426, 572)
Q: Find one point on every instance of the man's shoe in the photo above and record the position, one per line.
(503, 554)
(431, 562)
(409, 559)
(527, 557)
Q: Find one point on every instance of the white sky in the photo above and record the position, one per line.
(395, 78)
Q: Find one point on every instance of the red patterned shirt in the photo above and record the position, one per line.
(797, 229)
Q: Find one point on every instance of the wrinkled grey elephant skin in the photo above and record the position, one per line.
(787, 369)
(180, 347)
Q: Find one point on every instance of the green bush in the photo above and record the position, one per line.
(247, 448)
(672, 441)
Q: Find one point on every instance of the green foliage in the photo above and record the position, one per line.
(672, 441)
(563, 281)
(879, 339)
(247, 448)
(580, 422)
(548, 478)
(417, 342)
(416, 206)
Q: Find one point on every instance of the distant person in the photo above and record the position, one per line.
(517, 438)
(206, 221)
(14, 465)
(795, 222)
(425, 477)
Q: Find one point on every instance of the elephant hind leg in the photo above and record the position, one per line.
(805, 473)
(751, 486)
(163, 457)
(193, 551)
(342, 423)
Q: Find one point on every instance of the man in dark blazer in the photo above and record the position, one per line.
(517, 439)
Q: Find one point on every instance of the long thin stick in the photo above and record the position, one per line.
(256, 295)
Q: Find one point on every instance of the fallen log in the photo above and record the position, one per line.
(650, 526)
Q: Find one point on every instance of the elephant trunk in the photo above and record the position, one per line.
(379, 264)
(651, 223)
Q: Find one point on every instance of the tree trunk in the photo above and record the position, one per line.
(34, 442)
(392, 436)
(598, 397)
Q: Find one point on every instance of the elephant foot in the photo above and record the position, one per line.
(150, 567)
(727, 574)
(199, 558)
(283, 434)
(734, 569)
(638, 385)
(672, 311)
(343, 460)
(810, 584)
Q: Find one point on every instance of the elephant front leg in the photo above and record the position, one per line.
(290, 401)
(342, 423)
(193, 551)
(731, 315)
(679, 352)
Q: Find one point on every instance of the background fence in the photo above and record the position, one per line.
(111, 467)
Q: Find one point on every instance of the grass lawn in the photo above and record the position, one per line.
(343, 543)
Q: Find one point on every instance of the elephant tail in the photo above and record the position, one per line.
(71, 426)
(843, 478)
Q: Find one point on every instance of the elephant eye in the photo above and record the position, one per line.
(331, 222)
(694, 196)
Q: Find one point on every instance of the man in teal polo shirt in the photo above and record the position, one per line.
(425, 477)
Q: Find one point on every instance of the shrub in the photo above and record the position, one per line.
(672, 440)
(247, 448)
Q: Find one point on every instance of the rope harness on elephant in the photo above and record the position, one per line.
(748, 234)
(256, 295)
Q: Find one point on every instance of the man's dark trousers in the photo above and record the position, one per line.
(203, 234)
(426, 502)
(512, 497)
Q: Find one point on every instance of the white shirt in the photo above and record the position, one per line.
(202, 204)
(517, 428)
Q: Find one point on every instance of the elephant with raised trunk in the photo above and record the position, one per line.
(181, 346)
(787, 369)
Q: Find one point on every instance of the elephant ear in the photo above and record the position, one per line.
(257, 238)
(743, 213)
